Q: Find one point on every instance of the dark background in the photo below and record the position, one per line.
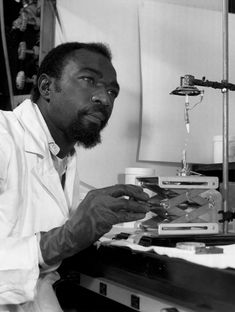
(13, 38)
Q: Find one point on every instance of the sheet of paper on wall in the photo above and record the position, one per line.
(176, 40)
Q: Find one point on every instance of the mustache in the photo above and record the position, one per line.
(96, 108)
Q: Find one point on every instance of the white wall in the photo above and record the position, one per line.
(177, 40)
(116, 23)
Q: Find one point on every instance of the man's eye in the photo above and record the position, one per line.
(113, 93)
(90, 80)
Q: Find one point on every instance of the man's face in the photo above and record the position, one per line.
(81, 101)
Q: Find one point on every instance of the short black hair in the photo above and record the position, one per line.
(54, 62)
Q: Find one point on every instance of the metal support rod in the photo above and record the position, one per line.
(225, 94)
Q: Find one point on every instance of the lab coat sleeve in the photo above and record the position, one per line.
(44, 268)
(19, 270)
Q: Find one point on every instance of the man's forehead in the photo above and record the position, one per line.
(86, 58)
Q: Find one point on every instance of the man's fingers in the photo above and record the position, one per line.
(129, 190)
(129, 205)
(155, 201)
(129, 216)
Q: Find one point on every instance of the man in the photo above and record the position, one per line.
(41, 221)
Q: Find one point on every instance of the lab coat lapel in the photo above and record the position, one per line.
(36, 146)
(49, 179)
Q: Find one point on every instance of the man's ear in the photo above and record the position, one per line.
(44, 83)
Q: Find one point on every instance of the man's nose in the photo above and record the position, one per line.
(101, 97)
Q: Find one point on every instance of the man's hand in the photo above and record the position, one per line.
(115, 204)
(96, 214)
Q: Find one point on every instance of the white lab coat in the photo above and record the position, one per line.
(31, 200)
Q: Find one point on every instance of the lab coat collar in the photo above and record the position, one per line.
(35, 138)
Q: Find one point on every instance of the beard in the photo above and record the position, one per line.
(85, 129)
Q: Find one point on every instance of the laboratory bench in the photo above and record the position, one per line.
(146, 281)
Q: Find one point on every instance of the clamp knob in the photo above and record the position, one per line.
(21, 80)
(22, 51)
